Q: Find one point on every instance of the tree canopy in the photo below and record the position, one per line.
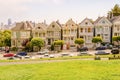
(5, 38)
(37, 42)
(59, 42)
(116, 38)
(79, 41)
(115, 11)
(97, 40)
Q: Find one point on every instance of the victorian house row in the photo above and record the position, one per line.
(68, 32)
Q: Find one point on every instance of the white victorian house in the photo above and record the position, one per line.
(116, 26)
(103, 29)
(70, 32)
(53, 32)
(39, 30)
(86, 29)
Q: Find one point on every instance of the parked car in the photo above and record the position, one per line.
(101, 53)
(9, 55)
(42, 52)
(64, 54)
(82, 53)
(83, 49)
(115, 51)
(22, 54)
(101, 48)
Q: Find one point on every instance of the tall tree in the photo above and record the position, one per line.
(97, 40)
(37, 42)
(7, 37)
(116, 40)
(115, 11)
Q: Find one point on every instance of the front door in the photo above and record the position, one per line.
(49, 41)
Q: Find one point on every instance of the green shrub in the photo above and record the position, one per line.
(14, 49)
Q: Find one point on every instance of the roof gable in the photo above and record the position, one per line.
(86, 22)
(22, 26)
(54, 25)
(70, 24)
(102, 21)
(40, 26)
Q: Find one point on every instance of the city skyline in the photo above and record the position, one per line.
(52, 10)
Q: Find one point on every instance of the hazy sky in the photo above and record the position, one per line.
(52, 10)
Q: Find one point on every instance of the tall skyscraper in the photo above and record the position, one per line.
(9, 22)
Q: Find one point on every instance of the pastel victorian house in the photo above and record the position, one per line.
(86, 31)
(54, 32)
(70, 32)
(103, 29)
(20, 33)
(40, 30)
(116, 26)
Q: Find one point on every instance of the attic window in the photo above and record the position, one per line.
(53, 26)
(103, 22)
(38, 27)
(86, 23)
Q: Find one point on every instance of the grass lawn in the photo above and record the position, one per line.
(68, 70)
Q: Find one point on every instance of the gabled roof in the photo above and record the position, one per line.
(114, 19)
(42, 25)
(100, 19)
(23, 26)
(69, 22)
(55, 23)
(88, 20)
(97, 20)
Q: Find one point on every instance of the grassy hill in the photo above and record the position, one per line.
(68, 70)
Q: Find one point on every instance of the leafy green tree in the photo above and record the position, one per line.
(1, 39)
(115, 11)
(79, 41)
(37, 42)
(5, 38)
(116, 39)
(97, 40)
(59, 43)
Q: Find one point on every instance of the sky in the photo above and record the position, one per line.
(52, 10)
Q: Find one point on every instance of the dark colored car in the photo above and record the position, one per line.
(22, 54)
(83, 49)
(101, 48)
(115, 51)
(8, 55)
(101, 53)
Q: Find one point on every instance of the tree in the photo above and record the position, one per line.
(5, 38)
(96, 40)
(59, 43)
(116, 39)
(37, 42)
(115, 11)
(79, 41)
(1, 39)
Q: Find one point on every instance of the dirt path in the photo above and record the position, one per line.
(45, 61)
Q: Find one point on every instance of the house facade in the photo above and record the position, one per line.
(40, 30)
(53, 32)
(20, 33)
(103, 29)
(116, 26)
(86, 29)
(70, 32)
